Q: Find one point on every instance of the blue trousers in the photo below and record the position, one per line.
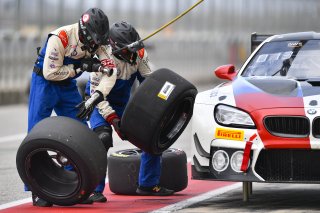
(150, 165)
(46, 96)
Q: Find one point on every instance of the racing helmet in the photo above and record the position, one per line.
(121, 35)
(93, 29)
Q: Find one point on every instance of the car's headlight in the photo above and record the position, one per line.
(231, 116)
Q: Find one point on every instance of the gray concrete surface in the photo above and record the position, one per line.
(13, 122)
(266, 197)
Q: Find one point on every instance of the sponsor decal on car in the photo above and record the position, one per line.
(229, 134)
(312, 111)
(295, 44)
(166, 90)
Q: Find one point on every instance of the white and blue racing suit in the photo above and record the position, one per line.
(53, 85)
(116, 101)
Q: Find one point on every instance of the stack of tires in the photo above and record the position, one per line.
(154, 118)
(124, 165)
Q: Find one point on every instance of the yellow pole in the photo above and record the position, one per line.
(173, 20)
(137, 43)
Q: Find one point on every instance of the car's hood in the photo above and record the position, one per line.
(258, 93)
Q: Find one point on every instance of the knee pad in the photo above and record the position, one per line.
(105, 135)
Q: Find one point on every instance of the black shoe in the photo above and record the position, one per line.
(37, 201)
(155, 191)
(86, 201)
(98, 197)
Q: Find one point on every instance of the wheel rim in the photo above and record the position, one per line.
(129, 152)
(174, 122)
(53, 173)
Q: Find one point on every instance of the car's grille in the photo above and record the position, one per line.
(316, 127)
(289, 126)
(289, 165)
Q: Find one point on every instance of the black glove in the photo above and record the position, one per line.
(86, 107)
(90, 64)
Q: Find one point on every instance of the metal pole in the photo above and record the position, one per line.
(138, 43)
(245, 191)
(173, 20)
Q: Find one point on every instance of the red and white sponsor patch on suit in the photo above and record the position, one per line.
(108, 63)
(64, 38)
(141, 53)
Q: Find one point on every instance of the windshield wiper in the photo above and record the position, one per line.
(284, 68)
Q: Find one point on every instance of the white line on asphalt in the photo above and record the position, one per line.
(17, 137)
(186, 203)
(23, 201)
(15, 203)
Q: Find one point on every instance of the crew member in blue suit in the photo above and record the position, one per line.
(111, 99)
(67, 52)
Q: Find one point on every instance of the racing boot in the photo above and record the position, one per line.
(37, 201)
(154, 191)
(98, 197)
(86, 201)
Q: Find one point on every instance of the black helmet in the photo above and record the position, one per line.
(93, 29)
(122, 34)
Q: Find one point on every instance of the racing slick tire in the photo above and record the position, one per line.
(124, 165)
(54, 145)
(158, 111)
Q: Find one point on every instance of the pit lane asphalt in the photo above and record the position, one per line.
(13, 128)
(12, 131)
(266, 197)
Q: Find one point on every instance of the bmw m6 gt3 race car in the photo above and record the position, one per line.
(263, 125)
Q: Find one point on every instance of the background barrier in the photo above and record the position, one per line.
(214, 33)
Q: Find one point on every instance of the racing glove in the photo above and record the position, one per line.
(115, 121)
(86, 107)
(90, 64)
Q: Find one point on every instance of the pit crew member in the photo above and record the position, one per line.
(131, 64)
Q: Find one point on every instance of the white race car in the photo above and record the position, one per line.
(263, 125)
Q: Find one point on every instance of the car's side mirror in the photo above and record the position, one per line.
(226, 72)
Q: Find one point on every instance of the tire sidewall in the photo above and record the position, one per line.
(78, 143)
(123, 171)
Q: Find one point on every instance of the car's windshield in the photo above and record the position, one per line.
(293, 59)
